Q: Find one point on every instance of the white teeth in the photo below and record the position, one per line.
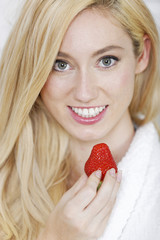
(92, 112)
(88, 112)
(85, 113)
(97, 110)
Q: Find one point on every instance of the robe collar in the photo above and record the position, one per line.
(134, 167)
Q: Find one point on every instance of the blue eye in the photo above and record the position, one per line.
(61, 66)
(108, 61)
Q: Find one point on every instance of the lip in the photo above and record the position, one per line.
(87, 121)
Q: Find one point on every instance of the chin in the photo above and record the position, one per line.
(87, 136)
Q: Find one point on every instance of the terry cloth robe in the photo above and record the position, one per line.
(136, 214)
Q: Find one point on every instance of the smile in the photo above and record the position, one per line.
(89, 115)
(88, 112)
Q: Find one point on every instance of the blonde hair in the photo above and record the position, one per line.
(33, 146)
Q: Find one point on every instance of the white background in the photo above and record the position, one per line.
(9, 10)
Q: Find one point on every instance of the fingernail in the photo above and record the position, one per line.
(98, 174)
(112, 172)
(119, 176)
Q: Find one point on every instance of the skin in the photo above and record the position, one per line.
(82, 213)
(81, 78)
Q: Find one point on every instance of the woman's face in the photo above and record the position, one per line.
(92, 82)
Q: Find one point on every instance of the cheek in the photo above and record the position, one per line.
(125, 84)
(54, 89)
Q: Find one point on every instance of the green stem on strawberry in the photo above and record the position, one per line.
(99, 185)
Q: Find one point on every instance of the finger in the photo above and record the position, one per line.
(88, 192)
(104, 214)
(103, 194)
(75, 188)
(100, 221)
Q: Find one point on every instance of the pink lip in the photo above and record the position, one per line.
(87, 121)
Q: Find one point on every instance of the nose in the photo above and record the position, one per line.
(85, 89)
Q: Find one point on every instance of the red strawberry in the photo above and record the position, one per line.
(100, 159)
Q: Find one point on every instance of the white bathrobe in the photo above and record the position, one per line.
(136, 214)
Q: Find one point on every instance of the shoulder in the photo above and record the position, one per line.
(141, 164)
(145, 218)
(148, 140)
(145, 143)
(136, 212)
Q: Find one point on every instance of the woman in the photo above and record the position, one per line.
(73, 74)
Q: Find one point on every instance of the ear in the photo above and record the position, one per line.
(143, 59)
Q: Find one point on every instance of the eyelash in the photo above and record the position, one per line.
(57, 62)
(113, 60)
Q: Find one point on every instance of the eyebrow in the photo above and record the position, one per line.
(106, 49)
(96, 53)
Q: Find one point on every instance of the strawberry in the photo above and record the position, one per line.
(100, 159)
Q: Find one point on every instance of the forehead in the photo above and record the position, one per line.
(92, 27)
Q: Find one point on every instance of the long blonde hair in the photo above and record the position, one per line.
(33, 146)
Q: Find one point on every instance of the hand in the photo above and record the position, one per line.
(83, 212)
